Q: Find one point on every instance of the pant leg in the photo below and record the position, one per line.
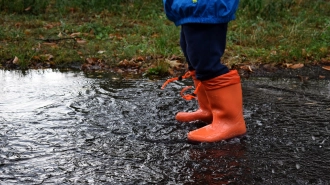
(183, 45)
(203, 46)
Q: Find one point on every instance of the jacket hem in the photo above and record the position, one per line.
(201, 20)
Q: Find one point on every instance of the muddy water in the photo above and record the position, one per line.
(75, 128)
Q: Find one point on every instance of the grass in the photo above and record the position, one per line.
(58, 33)
(281, 31)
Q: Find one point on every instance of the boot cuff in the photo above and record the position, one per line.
(230, 78)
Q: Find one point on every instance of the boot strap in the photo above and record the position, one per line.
(184, 96)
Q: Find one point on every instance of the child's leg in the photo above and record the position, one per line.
(203, 45)
(183, 45)
(203, 113)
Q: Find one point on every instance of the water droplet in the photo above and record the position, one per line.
(298, 166)
(259, 123)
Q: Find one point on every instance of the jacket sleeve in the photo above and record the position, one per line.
(168, 9)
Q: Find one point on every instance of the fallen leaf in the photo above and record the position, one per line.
(269, 67)
(75, 34)
(123, 63)
(296, 66)
(48, 26)
(273, 52)
(325, 60)
(174, 57)
(28, 8)
(91, 60)
(101, 52)
(287, 65)
(27, 32)
(326, 68)
(72, 10)
(303, 78)
(85, 66)
(129, 64)
(47, 57)
(17, 25)
(114, 36)
(36, 57)
(155, 35)
(174, 63)
(81, 41)
(139, 58)
(246, 68)
(15, 61)
(50, 44)
(323, 49)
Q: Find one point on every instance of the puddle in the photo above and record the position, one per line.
(76, 128)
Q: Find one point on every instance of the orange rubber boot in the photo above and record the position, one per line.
(203, 113)
(225, 96)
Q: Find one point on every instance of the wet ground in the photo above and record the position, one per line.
(77, 128)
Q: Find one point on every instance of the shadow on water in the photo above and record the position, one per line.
(75, 128)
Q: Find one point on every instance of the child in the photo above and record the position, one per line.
(203, 41)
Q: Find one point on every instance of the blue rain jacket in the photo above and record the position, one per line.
(200, 11)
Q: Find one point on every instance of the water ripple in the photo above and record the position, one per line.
(68, 128)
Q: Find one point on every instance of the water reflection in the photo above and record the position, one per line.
(83, 128)
(220, 164)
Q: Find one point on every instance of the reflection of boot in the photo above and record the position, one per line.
(204, 111)
(225, 96)
(219, 165)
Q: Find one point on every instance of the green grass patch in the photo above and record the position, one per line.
(265, 31)
(160, 68)
(281, 31)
